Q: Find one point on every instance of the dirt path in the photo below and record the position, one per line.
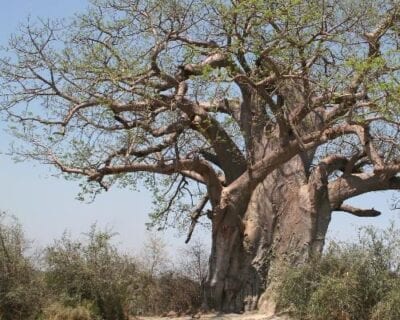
(246, 316)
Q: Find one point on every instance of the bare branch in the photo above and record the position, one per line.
(359, 212)
(195, 215)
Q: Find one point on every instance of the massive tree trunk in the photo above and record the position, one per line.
(300, 217)
(284, 223)
(224, 278)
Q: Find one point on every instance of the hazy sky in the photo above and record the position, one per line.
(46, 205)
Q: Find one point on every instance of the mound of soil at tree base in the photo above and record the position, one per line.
(244, 316)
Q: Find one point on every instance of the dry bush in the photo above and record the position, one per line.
(57, 311)
(91, 270)
(163, 287)
(351, 281)
(21, 286)
(89, 278)
(178, 293)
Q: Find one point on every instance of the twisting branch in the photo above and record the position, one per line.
(126, 152)
(178, 190)
(195, 43)
(371, 151)
(351, 164)
(230, 157)
(347, 187)
(216, 60)
(373, 39)
(334, 162)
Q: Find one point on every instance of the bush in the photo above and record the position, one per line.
(295, 292)
(389, 307)
(57, 311)
(167, 292)
(178, 293)
(350, 281)
(91, 271)
(163, 287)
(336, 298)
(89, 279)
(21, 289)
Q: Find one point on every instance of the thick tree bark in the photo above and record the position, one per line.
(300, 225)
(284, 223)
(224, 277)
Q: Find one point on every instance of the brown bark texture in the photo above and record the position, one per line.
(284, 224)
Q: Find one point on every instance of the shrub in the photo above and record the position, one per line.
(336, 298)
(92, 271)
(178, 293)
(350, 281)
(163, 287)
(297, 287)
(21, 289)
(389, 307)
(57, 311)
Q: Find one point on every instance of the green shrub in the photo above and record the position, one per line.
(92, 271)
(336, 298)
(350, 281)
(389, 307)
(297, 287)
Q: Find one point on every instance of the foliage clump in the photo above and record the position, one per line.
(389, 307)
(358, 281)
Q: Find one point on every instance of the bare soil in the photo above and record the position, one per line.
(244, 316)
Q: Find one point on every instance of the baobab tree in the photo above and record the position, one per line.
(262, 116)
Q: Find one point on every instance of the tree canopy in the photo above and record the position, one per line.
(163, 87)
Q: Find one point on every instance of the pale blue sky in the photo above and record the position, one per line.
(46, 205)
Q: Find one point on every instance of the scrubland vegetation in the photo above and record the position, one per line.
(352, 281)
(89, 278)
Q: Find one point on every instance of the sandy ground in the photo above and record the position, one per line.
(245, 316)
